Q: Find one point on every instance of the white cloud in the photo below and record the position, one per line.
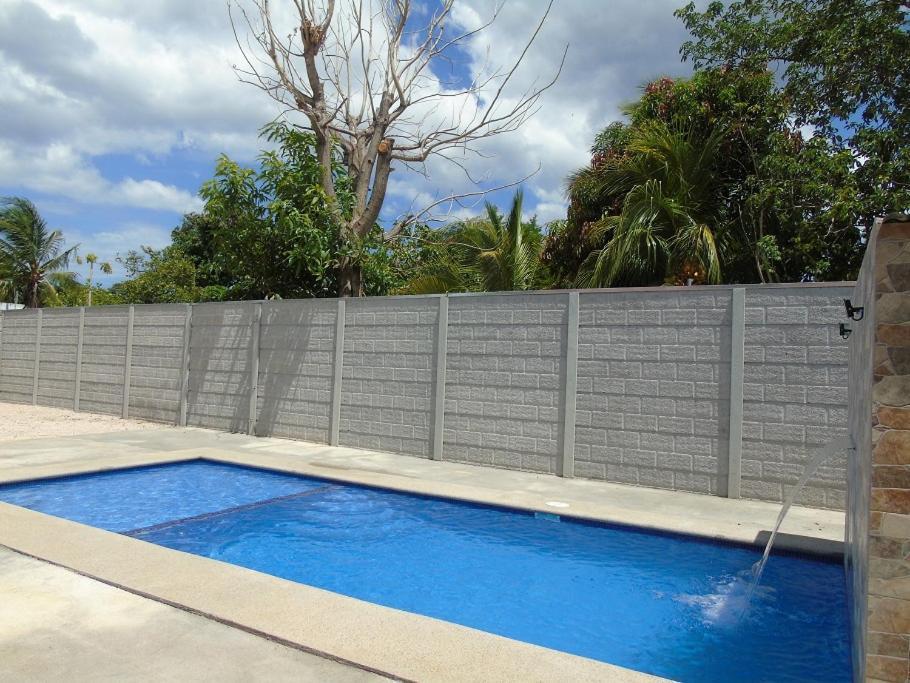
(58, 170)
(152, 194)
(126, 237)
(82, 78)
(111, 242)
(613, 49)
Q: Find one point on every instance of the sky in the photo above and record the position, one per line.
(112, 113)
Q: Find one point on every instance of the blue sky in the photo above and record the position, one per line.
(114, 113)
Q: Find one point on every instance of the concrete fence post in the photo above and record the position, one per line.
(2, 324)
(737, 371)
(128, 363)
(439, 387)
(80, 336)
(37, 365)
(254, 367)
(566, 464)
(338, 361)
(185, 367)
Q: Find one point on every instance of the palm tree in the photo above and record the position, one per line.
(667, 226)
(490, 254)
(104, 267)
(33, 261)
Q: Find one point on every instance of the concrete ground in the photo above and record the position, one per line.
(30, 422)
(59, 621)
(56, 625)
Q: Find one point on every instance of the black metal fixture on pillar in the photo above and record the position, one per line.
(844, 330)
(854, 312)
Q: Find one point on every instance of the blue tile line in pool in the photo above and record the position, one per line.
(220, 513)
(662, 603)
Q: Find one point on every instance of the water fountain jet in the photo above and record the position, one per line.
(823, 453)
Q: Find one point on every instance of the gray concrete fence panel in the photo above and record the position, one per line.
(17, 356)
(504, 374)
(103, 359)
(714, 390)
(57, 363)
(387, 376)
(157, 357)
(795, 391)
(218, 391)
(296, 351)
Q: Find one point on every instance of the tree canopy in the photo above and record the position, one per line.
(490, 253)
(843, 69)
(266, 232)
(782, 205)
(667, 225)
(360, 76)
(33, 260)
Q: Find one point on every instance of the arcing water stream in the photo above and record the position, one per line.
(825, 452)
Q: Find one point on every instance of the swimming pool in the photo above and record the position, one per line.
(665, 604)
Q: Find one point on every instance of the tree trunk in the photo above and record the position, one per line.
(31, 296)
(350, 278)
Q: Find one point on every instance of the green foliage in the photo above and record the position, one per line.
(494, 253)
(844, 70)
(76, 294)
(161, 276)
(196, 239)
(566, 246)
(263, 233)
(670, 212)
(33, 261)
(105, 267)
(274, 233)
(785, 207)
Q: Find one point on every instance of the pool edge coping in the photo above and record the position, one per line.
(372, 637)
(820, 546)
(309, 465)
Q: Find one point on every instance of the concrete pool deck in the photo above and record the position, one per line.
(374, 638)
(57, 625)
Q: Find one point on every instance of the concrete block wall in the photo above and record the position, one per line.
(157, 361)
(653, 388)
(715, 390)
(794, 391)
(504, 380)
(57, 357)
(17, 356)
(220, 366)
(296, 364)
(387, 375)
(103, 359)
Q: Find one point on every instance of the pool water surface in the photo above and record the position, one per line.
(662, 603)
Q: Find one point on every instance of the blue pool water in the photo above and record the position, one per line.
(665, 604)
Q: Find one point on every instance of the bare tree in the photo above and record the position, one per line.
(361, 77)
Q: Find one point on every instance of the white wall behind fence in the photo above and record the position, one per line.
(717, 390)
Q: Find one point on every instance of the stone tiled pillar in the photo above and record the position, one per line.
(881, 476)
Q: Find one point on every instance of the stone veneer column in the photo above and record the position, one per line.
(883, 455)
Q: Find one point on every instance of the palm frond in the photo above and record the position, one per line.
(32, 257)
(669, 206)
(695, 245)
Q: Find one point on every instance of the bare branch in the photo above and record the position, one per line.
(452, 200)
(361, 74)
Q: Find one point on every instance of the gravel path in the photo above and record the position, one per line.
(32, 422)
